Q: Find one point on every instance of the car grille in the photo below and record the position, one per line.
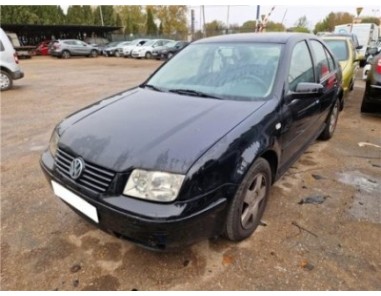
(93, 177)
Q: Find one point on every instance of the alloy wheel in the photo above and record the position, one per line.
(252, 202)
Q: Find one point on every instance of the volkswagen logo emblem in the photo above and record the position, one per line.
(76, 168)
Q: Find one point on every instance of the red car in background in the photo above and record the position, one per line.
(42, 48)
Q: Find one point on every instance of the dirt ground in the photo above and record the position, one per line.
(335, 245)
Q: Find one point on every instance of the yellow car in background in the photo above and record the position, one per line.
(345, 51)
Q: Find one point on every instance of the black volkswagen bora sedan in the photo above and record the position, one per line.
(193, 151)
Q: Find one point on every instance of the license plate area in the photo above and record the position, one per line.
(77, 202)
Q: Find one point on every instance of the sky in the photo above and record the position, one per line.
(289, 14)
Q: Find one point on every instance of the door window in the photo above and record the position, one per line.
(322, 62)
(301, 67)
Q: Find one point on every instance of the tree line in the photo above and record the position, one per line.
(153, 19)
(134, 19)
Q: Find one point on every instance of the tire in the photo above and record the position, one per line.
(331, 122)
(65, 54)
(249, 203)
(351, 85)
(366, 106)
(6, 81)
(117, 53)
(93, 53)
(170, 55)
(148, 55)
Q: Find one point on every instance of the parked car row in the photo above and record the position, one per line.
(151, 48)
(138, 48)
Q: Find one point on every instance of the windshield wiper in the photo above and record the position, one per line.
(192, 92)
(151, 87)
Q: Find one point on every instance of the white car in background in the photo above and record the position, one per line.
(9, 63)
(134, 43)
(145, 51)
(118, 51)
(371, 53)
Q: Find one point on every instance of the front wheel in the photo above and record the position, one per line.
(66, 54)
(148, 55)
(249, 202)
(5, 80)
(331, 122)
(93, 53)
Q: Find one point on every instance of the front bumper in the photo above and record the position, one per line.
(152, 225)
(137, 54)
(17, 75)
(373, 92)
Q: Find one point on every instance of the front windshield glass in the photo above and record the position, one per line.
(149, 43)
(136, 41)
(171, 43)
(339, 48)
(234, 71)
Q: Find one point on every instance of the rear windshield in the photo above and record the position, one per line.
(339, 49)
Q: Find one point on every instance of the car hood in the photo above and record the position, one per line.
(151, 130)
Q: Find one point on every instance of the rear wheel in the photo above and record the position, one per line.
(6, 81)
(351, 85)
(93, 53)
(331, 122)
(65, 54)
(170, 55)
(249, 202)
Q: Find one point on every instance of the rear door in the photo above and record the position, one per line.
(83, 48)
(299, 116)
(326, 68)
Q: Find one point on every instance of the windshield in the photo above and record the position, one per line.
(149, 43)
(171, 43)
(235, 71)
(114, 43)
(135, 42)
(339, 48)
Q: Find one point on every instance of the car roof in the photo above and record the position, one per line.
(336, 38)
(281, 37)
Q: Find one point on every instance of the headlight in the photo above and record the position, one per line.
(53, 144)
(156, 186)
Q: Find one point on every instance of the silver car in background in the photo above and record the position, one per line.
(65, 48)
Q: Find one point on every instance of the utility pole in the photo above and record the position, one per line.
(100, 11)
(203, 16)
(257, 19)
(227, 21)
(284, 16)
(192, 24)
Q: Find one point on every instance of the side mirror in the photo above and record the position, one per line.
(306, 90)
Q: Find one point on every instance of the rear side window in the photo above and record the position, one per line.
(1, 46)
(301, 67)
(322, 62)
(339, 49)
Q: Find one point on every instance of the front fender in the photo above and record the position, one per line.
(228, 161)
